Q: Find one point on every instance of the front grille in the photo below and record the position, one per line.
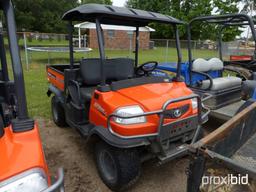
(176, 112)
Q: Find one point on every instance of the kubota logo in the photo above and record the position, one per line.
(177, 113)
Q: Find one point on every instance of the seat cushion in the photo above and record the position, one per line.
(222, 83)
(86, 93)
(202, 65)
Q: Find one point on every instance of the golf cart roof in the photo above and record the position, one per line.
(228, 19)
(113, 15)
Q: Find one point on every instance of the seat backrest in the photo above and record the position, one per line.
(115, 70)
(90, 71)
(202, 65)
(119, 69)
(216, 64)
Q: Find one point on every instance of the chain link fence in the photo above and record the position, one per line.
(161, 50)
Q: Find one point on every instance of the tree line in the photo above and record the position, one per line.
(45, 15)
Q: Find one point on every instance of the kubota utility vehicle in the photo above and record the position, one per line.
(131, 115)
(22, 163)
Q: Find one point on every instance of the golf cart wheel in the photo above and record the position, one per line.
(58, 113)
(118, 168)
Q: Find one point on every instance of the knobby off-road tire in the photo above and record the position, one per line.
(118, 168)
(58, 113)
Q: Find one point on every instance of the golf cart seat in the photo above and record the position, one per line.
(115, 70)
(215, 84)
(224, 90)
(222, 83)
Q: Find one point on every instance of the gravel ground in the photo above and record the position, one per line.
(64, 147)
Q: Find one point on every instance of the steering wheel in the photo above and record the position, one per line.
(146, 68)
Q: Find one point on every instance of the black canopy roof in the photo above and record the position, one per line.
(227, 19)
(117, 15)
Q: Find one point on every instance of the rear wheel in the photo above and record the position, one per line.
(118, 168)
(58, 113)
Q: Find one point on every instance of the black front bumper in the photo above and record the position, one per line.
(184, 130)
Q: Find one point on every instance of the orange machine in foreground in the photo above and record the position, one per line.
(22, 163)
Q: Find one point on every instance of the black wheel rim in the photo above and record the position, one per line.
(108, 166)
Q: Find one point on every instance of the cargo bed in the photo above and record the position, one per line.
(55, 74)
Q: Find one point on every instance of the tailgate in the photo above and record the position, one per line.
(55, 77)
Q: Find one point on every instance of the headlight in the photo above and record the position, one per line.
(33, 180)
(194, 103)
(129, 111)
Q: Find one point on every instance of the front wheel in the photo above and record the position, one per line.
(118, 168)
(58, 113)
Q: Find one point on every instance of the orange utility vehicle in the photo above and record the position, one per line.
(130, 114)
(22, 163)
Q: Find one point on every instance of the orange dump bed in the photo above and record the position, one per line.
(56, 76)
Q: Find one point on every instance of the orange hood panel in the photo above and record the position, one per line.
(20, 152)
(153, 96)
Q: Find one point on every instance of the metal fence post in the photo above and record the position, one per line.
(166, 51)
(25, 48)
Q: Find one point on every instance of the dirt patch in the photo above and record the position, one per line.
(64, 147)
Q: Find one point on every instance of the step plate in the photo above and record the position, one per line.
(178, 152)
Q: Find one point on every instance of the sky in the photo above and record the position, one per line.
(119, 3)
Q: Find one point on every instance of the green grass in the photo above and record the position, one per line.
(36, 78)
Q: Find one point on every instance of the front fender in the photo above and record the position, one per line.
(115, 141)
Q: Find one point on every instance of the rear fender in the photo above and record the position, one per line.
(58, 93)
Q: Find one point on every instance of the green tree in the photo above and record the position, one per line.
(226, 7)
(42, 15)
(186, 10)
(107, 2)
(181, 9)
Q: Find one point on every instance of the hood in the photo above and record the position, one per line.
(20, 152)
(153, 96)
